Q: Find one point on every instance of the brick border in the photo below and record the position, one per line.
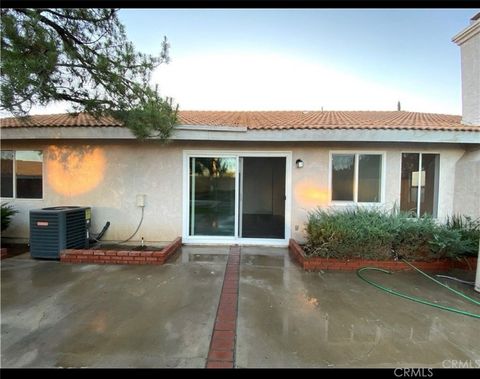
(317, 263)
(4, 253)
(221, 353)
(127, 257)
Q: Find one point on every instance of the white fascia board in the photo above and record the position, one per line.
(317, 135)
(467, 33)
(335, 135)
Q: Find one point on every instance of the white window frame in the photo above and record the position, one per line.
(235, 239)
(421, 152)
(356, 153)
(14, 186)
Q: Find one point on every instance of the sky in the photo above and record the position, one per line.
(303, 59)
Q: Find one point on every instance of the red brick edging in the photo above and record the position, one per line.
(4, 253)
(121, 257)
(317, 263)
(221, 353)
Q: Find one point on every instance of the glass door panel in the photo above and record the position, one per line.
(212, 196)
(409, 183)
(428, 196)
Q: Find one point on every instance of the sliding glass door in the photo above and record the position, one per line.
(236, 197)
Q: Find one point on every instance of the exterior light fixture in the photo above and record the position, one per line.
(299, 163)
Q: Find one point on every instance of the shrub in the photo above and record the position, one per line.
(412, 237)
(7, 213)
(469, 231)
(448, 242)
(377, 234)
(351, 233)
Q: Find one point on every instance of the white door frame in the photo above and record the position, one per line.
(187, 154)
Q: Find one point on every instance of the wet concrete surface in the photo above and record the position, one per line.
(292, 318)
(71, 315)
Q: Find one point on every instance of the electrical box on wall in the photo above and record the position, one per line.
(141, 200)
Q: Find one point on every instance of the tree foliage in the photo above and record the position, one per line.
(81, 56)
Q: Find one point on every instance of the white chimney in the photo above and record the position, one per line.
(469, 42)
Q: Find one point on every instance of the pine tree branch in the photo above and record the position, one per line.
(106, 18)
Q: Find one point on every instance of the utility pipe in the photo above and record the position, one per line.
(477, 279)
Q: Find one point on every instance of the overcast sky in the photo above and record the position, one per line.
(274, 59)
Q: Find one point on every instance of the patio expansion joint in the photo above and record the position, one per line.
(221, 353)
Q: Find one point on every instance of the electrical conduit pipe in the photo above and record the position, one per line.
(477, 279)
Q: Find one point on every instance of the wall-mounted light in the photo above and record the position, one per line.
(299, 163)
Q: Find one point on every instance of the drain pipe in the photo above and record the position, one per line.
(477, 279)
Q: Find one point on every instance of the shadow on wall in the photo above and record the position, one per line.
(75, 170)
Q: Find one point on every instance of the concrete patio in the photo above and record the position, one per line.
(75, 315)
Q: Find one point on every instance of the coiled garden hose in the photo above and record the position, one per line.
(418, 299)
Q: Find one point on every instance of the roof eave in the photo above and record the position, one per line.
(467, 33)
(285, 135)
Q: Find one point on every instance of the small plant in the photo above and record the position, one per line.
(7, 213)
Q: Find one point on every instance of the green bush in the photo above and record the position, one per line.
(469, 231)
(352, 233)
(7, 213)
(412, 237)
(377, 234)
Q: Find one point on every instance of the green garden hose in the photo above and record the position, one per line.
(443, 285)
(417, 299)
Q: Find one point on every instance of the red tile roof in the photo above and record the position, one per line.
(271, 120)
(62, 119)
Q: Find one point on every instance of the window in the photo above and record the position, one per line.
(419, 183)
(22, 174)
(357, 177)
(343, 172)
(7, 173)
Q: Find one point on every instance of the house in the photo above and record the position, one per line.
(248, 177)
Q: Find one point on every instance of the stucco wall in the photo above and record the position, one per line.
(470, 52)
(467, 184)
(108, 176)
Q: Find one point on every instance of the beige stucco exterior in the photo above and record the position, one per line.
(467, 183)
(469, 42)
(107, 175)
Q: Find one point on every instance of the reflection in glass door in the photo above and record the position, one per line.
(212, 196)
